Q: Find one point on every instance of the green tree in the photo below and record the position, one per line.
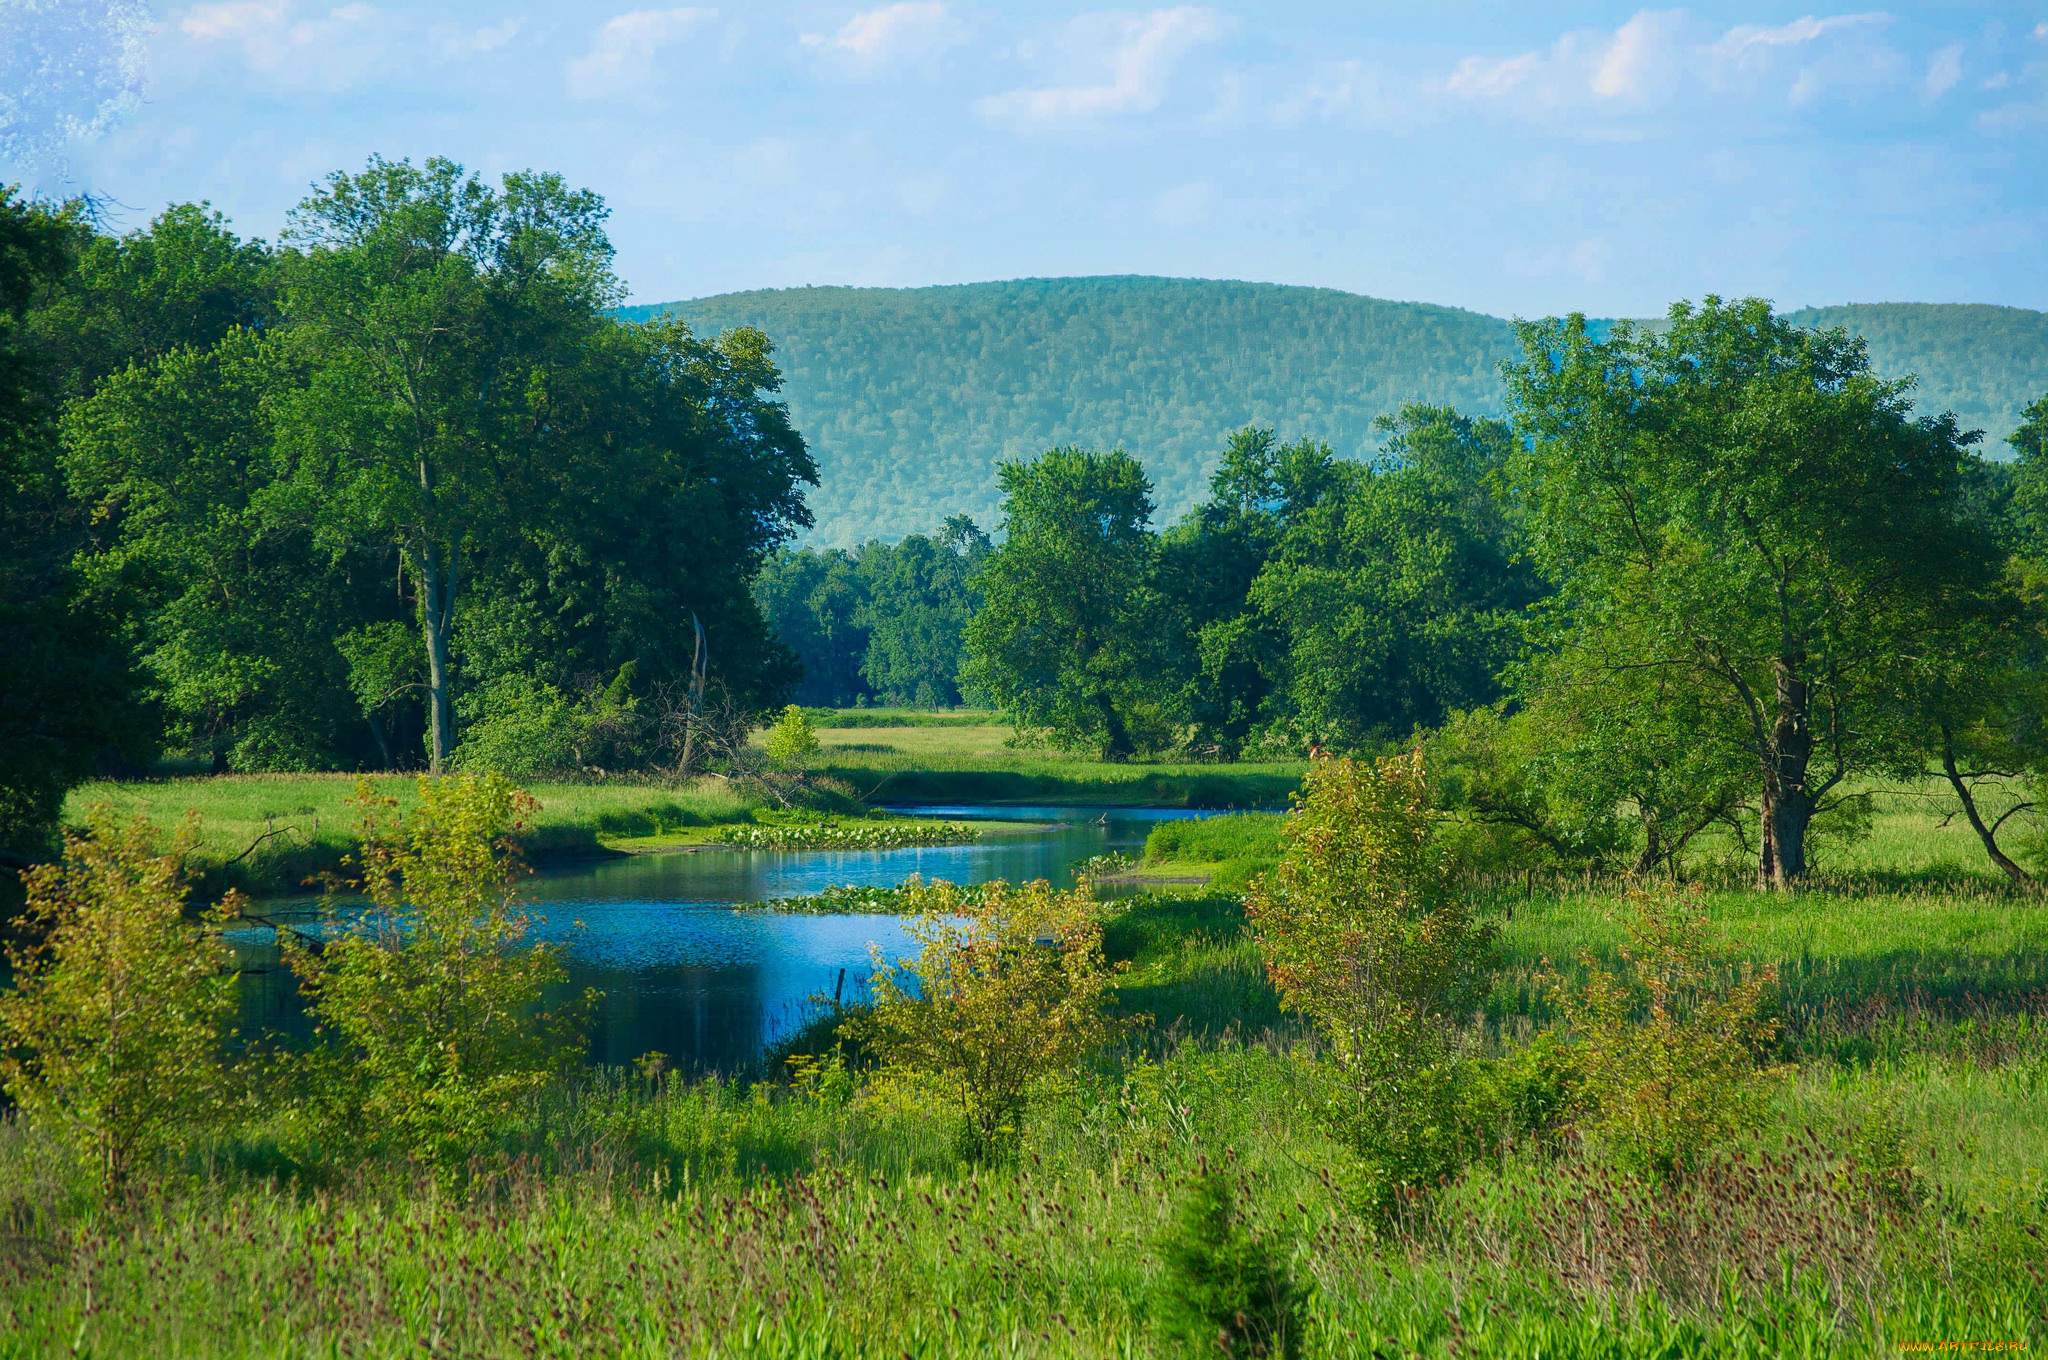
(183, 282)
(432, 313)
(815, 602)
(1065, 641)
(201, 519)
(791, 742)
(1399, 592)
(112, 1031)
(919, 598)
(68, 690)
(429, 1011)
(1231, 653)
(1741, 502)
(1363, 932)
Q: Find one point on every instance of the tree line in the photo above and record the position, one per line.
(1712, 572)
(395, 489)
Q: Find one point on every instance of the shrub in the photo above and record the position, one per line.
(1226, 1289)
(1362, 933)
(113, 1030)
(1008, 991)
(430, 1007)
(792, 742)
(517, 726)
(1670, 1048)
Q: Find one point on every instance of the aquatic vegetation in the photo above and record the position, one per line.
(879, 835)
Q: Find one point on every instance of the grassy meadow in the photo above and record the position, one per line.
(1893, 1198)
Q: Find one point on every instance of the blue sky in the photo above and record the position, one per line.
(1524, 158)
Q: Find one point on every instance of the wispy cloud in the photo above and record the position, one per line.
(1945, 71)
(1660, 57)
(621, 60)
(881, 37)
(1136, 62)
(297, 48)
(1745, 38)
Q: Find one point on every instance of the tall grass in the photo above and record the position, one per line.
(1896, 1194)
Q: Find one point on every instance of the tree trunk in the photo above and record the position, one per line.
(1986, 834)
(1116, 738)
(1653, 847)
(1787, 805)
(437, 617)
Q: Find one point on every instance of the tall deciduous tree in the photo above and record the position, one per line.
(433, 312)
(1066, 639)
(1741, 503)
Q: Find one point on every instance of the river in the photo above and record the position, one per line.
(684, 974)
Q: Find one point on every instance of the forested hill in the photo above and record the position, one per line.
(911, 396)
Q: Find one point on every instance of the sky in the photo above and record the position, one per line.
(1510, 158)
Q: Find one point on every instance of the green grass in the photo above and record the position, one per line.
(270, 833)
(827, 1218)
(978, 765)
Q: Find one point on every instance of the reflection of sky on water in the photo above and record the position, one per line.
(684, 974)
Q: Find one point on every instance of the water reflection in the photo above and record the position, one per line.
(684, 974)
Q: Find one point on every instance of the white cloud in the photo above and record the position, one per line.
(1138, 60)
(1642, 54)
(1348, 90)
(620, 62)
(1745, 38)
(237, 20)
(1661, 57)
(1480, 77)
(1997, 81)
(892, 33)
(465, 42)
(2041, 30)
(1944, 71)
(323, 51)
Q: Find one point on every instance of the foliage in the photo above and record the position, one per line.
(973, 374)
(1511, 802)
(113, 1028)
(518, 727)
(1672, 1050)
(406, 456)
(68, 691)
(1239, 835)
(852, 835)
(1363, 932)
(856, 899)
(791, 742)
(1064, 642)
(429, 1010)
(1741, 509)
(881, 624)
(1008, 991)
(1227, 1290)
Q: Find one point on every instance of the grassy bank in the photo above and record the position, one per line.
(956, 764)
(819, 1219)
(269, 833)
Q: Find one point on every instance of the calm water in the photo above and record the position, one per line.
(684, 974)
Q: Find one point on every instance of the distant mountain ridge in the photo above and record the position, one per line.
(910, 397)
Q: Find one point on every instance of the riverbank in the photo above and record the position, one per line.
(959, 763)
(279, 834)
